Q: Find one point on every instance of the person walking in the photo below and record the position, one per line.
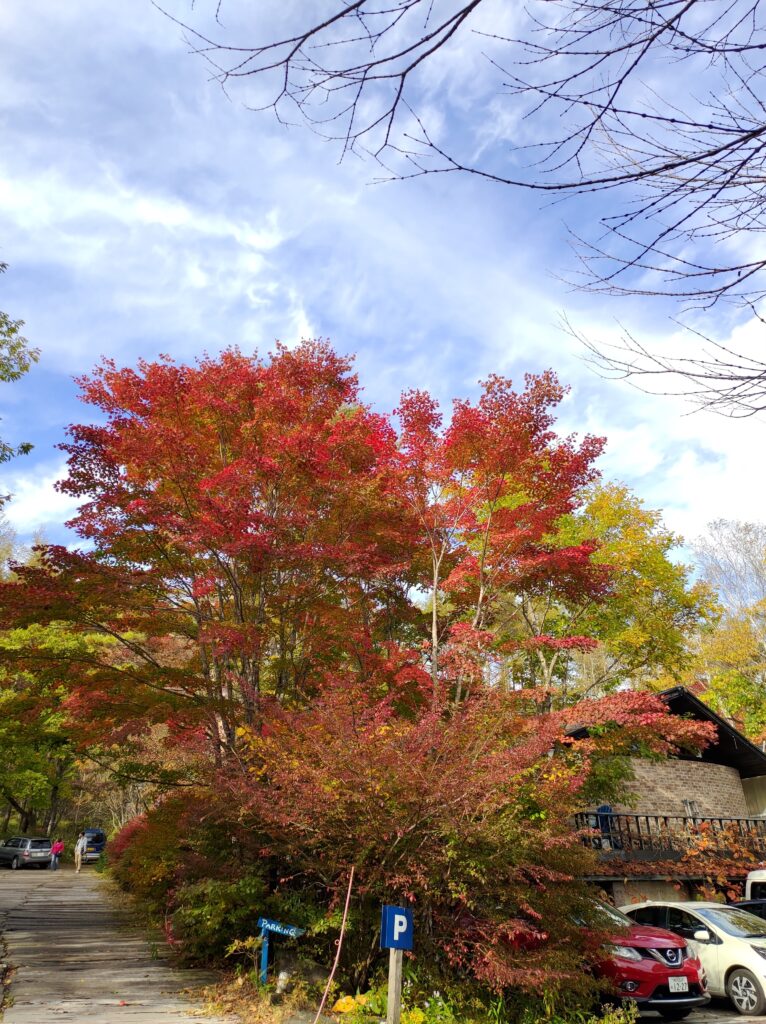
(56, 850)
(79, 850)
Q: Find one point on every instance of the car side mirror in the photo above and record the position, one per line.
(702, 935)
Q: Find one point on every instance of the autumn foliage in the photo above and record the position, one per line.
(345, 630)
(463, 814)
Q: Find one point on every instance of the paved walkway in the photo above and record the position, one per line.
(719, 1011)
(78, 959)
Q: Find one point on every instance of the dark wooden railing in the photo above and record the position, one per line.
(635, 834)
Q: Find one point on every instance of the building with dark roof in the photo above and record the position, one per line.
(687, 816)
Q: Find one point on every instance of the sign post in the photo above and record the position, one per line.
(394, 1004)
(269, 927)
(396, 930)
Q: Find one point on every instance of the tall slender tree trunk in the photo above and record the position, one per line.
(435, 629)
(53, 804)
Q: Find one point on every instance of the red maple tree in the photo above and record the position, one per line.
(487, 490)
(260, 545)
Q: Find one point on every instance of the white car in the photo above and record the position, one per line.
(730, 943)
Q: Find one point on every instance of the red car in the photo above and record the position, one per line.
(654, 968)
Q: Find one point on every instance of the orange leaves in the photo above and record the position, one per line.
(487, 492)
(252, 508)
(257, 512)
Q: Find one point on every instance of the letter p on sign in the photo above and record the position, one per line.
(396, 928)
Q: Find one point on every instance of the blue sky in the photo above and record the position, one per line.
(144, 212)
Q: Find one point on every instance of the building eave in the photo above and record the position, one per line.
(732, 748)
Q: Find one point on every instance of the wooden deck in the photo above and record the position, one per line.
(637, 836)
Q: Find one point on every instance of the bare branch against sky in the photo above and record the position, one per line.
(653, 114)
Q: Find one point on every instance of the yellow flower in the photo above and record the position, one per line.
(346, 1004)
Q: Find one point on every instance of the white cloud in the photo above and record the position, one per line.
(35, 503)
(143, 213)
(693, 464)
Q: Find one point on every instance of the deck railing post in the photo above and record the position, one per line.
(623, 832)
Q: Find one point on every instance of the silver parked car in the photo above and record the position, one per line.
(23, 851)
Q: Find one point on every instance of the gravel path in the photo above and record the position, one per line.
(79, 960)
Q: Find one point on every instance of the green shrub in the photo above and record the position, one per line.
(211, 915)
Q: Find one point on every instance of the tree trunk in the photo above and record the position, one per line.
(28, 819)
(435, 628)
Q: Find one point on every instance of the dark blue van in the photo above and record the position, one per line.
(96, 839)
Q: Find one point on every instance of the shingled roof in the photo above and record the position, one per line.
(732, 748)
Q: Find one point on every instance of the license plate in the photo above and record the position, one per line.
(38, 853)
(678, 984)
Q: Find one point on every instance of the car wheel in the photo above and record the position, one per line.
(745, 992)
(15, 863)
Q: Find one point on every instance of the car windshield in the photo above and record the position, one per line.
(605, 916)
(40, 844)
(734, 921)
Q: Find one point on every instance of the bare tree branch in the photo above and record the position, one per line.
(654, 112)
(718, 379)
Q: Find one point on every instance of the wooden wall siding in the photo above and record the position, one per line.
(635, 890)
(755, 794)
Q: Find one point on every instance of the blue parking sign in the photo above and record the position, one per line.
(396, 928)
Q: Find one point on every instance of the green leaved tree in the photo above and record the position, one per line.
(730, 658)
(16, 358)
(647, 625)
(36, 754)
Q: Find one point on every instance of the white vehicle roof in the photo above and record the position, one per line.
(682, 904)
